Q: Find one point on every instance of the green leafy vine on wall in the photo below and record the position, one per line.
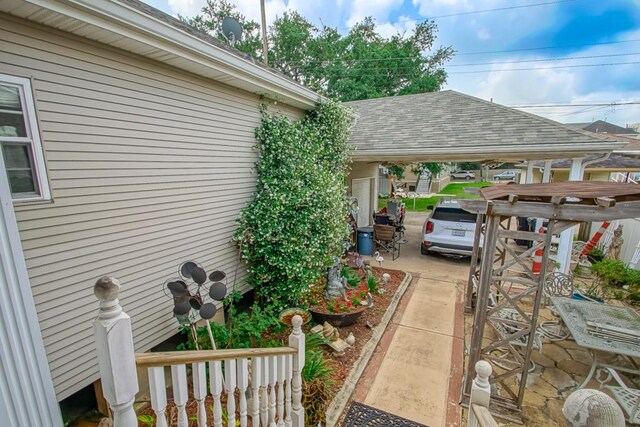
(296, 222)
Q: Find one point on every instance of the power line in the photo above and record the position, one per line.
(547, 68)
(565, 58)
(546, 47)
(593, 104)
(473, 12)
(411, 72)
(328, 61)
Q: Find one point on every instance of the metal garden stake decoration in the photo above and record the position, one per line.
(188, 299)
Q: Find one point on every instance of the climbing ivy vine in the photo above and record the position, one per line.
(296, 222)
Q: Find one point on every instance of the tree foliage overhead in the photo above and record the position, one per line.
(361, 64)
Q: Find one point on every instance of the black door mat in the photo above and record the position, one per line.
(360, 415)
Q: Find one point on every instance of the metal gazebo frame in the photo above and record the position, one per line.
(500, 290)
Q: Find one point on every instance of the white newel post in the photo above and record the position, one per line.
(480, 390)
(296, 340)
(114, 342)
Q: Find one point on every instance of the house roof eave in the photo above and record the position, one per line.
(148, 36)
(489, 152)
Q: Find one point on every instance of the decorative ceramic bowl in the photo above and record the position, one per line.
(287, 314)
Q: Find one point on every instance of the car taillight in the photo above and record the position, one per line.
(428, 228)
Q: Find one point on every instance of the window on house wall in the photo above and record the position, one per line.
(20, 140)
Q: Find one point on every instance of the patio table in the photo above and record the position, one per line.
(605, 328)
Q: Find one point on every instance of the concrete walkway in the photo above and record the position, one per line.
(417, 368)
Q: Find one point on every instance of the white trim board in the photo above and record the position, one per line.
(27, 397)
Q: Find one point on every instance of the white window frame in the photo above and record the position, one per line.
(33, 139)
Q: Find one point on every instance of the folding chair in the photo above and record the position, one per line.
(385, 238)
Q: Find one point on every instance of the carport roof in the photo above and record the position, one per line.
(450, 126)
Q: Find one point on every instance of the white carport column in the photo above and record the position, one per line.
(529, 178)
(546, 177)
(566, 238)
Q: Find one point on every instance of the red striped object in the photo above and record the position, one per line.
(594, 240)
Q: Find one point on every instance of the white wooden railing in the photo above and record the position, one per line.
(271, 377)
(621, 177)
(479, 415)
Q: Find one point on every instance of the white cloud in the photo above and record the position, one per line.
(186, 7)
(403, 26)
(378, 9)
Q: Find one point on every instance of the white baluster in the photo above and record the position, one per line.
(264, 393)
(230, 384)
(256, 376)
(200, 391)
(480, 390)
(297, 341)
(158, 390)
(243, 383)
(180, 392)
(215, 384)
(273, 375)
(116, 356)
(281, 375)
(287, 390)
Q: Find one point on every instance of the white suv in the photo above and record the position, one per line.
(464, 175)
(449, 230)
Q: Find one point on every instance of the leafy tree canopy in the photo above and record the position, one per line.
(361, 64)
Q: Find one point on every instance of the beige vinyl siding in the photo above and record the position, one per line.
(149, 166)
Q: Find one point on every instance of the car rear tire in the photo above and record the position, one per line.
(467, 178)
(424, 251)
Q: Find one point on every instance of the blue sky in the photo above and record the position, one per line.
(560, 43)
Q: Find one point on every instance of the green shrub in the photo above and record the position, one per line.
(295, 225)
(616, 273)
(622, 281)
(258, 327)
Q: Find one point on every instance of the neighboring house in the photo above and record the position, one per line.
(600, 126)
(603, 170)
(128, 145)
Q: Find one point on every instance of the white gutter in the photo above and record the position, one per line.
(138, 26)
(534, 148)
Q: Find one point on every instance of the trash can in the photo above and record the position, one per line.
(365, 240)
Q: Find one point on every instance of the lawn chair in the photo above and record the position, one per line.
(385, 238)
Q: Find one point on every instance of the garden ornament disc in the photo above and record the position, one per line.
(177, 288)
(187, 268)
(181, 308)
(217, 276)
(208, 310)
(199, 275)
(218, 291)
(195, 303)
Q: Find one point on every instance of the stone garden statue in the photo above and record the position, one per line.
(336, 285)
(616, 244)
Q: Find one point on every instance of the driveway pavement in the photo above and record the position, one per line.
(417, 368)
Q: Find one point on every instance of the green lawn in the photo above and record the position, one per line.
(454, 190)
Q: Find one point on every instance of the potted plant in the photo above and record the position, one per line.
(339, 298)
(595, 255)
(341, 311)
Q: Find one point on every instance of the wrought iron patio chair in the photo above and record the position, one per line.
(628, 398)
(386, 238)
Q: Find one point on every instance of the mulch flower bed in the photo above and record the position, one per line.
(362, 329)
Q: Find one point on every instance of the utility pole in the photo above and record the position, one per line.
(265, 57)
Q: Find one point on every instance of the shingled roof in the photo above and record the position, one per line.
(448, 125)
(600, 126)
(615, 162)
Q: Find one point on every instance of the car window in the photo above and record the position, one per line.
(453, 214)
